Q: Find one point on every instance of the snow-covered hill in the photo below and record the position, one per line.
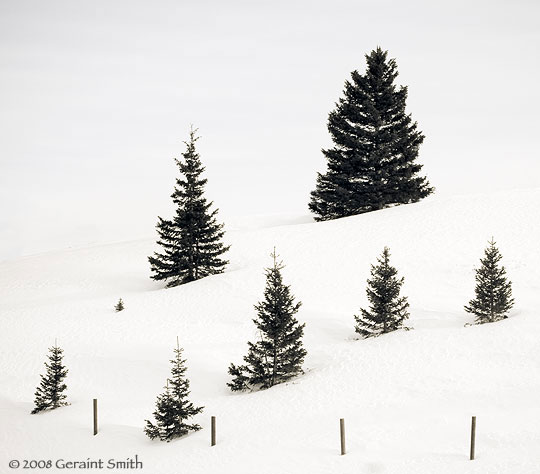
(407, 397)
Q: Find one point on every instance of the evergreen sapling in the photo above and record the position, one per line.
(166, 418)
(50, 393)
(387, 310)
(173, 409)
(493, 291)
(279, 354)
(119, 306)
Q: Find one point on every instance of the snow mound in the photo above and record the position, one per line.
(406, 397)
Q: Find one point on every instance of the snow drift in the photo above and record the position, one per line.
(406, 397)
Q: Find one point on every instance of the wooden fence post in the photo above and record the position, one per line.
(342, 434)
(473, 436)
(213, 429)
(95, 417)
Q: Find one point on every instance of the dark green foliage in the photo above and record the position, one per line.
(119, 306)
(493, 291)
(191, 241)
(166, 419)
(173, 408)
(387, 309)
(279, 354)
(372, 164)
(49, 394)
(240, 379)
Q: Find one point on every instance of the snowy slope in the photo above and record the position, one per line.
(406, 397)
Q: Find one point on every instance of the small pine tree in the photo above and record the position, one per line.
(387, 310)
(191, 241)
(493, 291)
(373, 162)
(173, 407)
(166, 417)
(279, 354)
(119, 306)
(50, 393)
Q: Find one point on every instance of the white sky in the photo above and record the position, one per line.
(97, 96)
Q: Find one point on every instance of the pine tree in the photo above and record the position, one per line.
(493, 291)
(191, 241)
(372, 164)
(173, 407)
(166, 417)
(387, 310)
(119, 306)
(49, 394)
(279, 354)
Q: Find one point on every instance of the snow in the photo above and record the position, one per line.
(407, 397)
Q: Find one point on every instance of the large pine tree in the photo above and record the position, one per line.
(279, 354)
(493, 291)
(173, 408)
(50, 393)
(373, 162)
(387, 310)
(192, 241)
